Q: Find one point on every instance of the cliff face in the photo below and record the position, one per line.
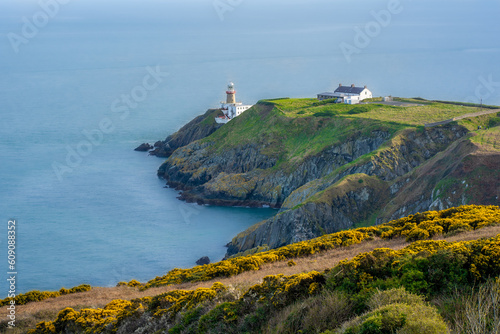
(359, 193)
(247, 174)
(244, 175)
(326, 173)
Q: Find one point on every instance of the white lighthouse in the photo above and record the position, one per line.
(231, 108)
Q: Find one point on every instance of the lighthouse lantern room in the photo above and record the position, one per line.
(231, 94)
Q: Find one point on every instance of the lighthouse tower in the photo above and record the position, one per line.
(231, 94)
(231, 109)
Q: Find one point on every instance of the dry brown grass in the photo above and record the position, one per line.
(30, 314)
(485, 232)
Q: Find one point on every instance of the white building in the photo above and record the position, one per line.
(231, 108)
(346, 94)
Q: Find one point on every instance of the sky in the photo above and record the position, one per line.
(226, 29)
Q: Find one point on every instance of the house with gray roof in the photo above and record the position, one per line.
(347, 94)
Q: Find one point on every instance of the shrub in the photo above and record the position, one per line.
(428, 267)
(329, 113)
(417, 234)
(134, 283)
(312, 315)
(359, 110)
(169, 304)
(188, 320)
(88, 320)
(421, 226)
(397, 318)
(80, 288)
(36, 296)
(414, 280)
(280, 290)
(392, 296)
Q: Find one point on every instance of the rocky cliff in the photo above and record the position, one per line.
(353, 195)
(200, 127)
(327, 171)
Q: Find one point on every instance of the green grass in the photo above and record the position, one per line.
(429, 112)
(290, 130)
(209, 117)
(483, 121)
(417, 115)
(417, 100)
(293, 138)
(443, 186)
(489, 138)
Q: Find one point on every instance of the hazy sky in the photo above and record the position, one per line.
(177, 30)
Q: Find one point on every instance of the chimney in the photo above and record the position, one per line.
(352, 85)
(340, 85)
(365, 86)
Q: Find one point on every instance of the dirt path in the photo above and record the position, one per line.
(46, 310)
(479, 113)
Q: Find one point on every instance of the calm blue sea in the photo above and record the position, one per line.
(105, 216)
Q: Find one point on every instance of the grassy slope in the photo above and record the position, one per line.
(467, 168)
(486, 139)
(409, 116)
(292, 129)
(290, 137)
(29, 315)
(32, 313)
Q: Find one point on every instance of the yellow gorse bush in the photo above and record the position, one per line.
(469, 261)
(477, 259)
(238, 265)
(88, 320)
(415, 227)
(171, 303)
(280, 289)
(421, 226)
(36, 296)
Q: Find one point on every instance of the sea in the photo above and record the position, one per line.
(82, 83)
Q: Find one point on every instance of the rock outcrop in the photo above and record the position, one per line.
(200, 127)
(244, 175)
(144, 147)
(203, 260)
